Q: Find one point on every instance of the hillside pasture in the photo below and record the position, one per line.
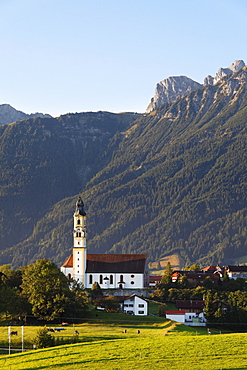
(158, 346)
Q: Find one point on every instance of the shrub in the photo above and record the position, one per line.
(43, 339)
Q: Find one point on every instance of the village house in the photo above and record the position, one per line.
(187, 318)
(196, 278)
(154, 280)
(232, 271)
(188, 312)
(135, 305)
(235, 272)
(190, 306)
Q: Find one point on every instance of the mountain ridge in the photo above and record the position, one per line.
(175, 87)
(169, 182)
(8, 114)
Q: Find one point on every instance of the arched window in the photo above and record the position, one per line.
(69, 276)
(111, 279)
(121, 278)
(78, 221)
(101, 279)
(90, 279)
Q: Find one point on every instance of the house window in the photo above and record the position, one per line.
(78, 252)
(101, 279)
(78, 259)
(141, 312)
(90, 279)
(78, 272)
(111, 279)
(78, 265)
(126, 305)
(69, 276)
(78, 222)
(140, 305)
(132, 282)
(132, 276)
(131, 305)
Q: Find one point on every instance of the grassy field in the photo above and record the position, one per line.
(159, 345)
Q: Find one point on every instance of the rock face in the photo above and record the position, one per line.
(222, 72)
(175, 87)
(171, 89)
(9, 114)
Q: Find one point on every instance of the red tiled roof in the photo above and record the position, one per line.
(112, 263)
(195, 274)
(190, 304)
(210, 268)
(115, 258)
(236, 268)
(68, 262)
(154, 278)
(175, 312)
(116, 263)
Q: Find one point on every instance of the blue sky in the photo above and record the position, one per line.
(60, 56)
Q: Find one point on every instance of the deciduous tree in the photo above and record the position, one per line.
(46, 288)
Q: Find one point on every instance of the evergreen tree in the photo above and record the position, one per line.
(166, 279)
(43, 339)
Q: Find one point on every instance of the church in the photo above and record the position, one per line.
(110, 271)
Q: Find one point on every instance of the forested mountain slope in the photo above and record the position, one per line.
(44, 160)
(174, 182)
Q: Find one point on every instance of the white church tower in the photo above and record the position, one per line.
(79, 245)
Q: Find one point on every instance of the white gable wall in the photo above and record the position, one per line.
(187, 318)
(136, 305)
(176, 317)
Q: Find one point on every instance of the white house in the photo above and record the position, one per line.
(235, 272)
(187, 318)
(123, 271)
(135, 305)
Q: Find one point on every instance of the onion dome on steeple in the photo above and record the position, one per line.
(80, 208)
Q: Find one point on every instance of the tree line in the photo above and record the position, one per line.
(41, 291)
(225, 304)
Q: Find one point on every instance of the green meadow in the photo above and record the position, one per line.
(160, 345)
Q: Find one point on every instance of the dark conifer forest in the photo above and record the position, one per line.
(173, 181)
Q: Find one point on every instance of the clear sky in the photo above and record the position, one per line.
(60, 56)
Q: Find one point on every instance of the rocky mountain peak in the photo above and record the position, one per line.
(171, 89)
(222, 72)
(8, 114)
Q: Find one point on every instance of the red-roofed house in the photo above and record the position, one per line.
(235, 272)
(187, 318)
(127, 271)
(190, 306)
(154, 280)
(195, 278)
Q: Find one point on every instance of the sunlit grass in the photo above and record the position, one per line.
(159, 345)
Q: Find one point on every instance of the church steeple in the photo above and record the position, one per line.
(79, 242)
(80, 208)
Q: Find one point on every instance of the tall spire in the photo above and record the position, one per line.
(80, 207)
